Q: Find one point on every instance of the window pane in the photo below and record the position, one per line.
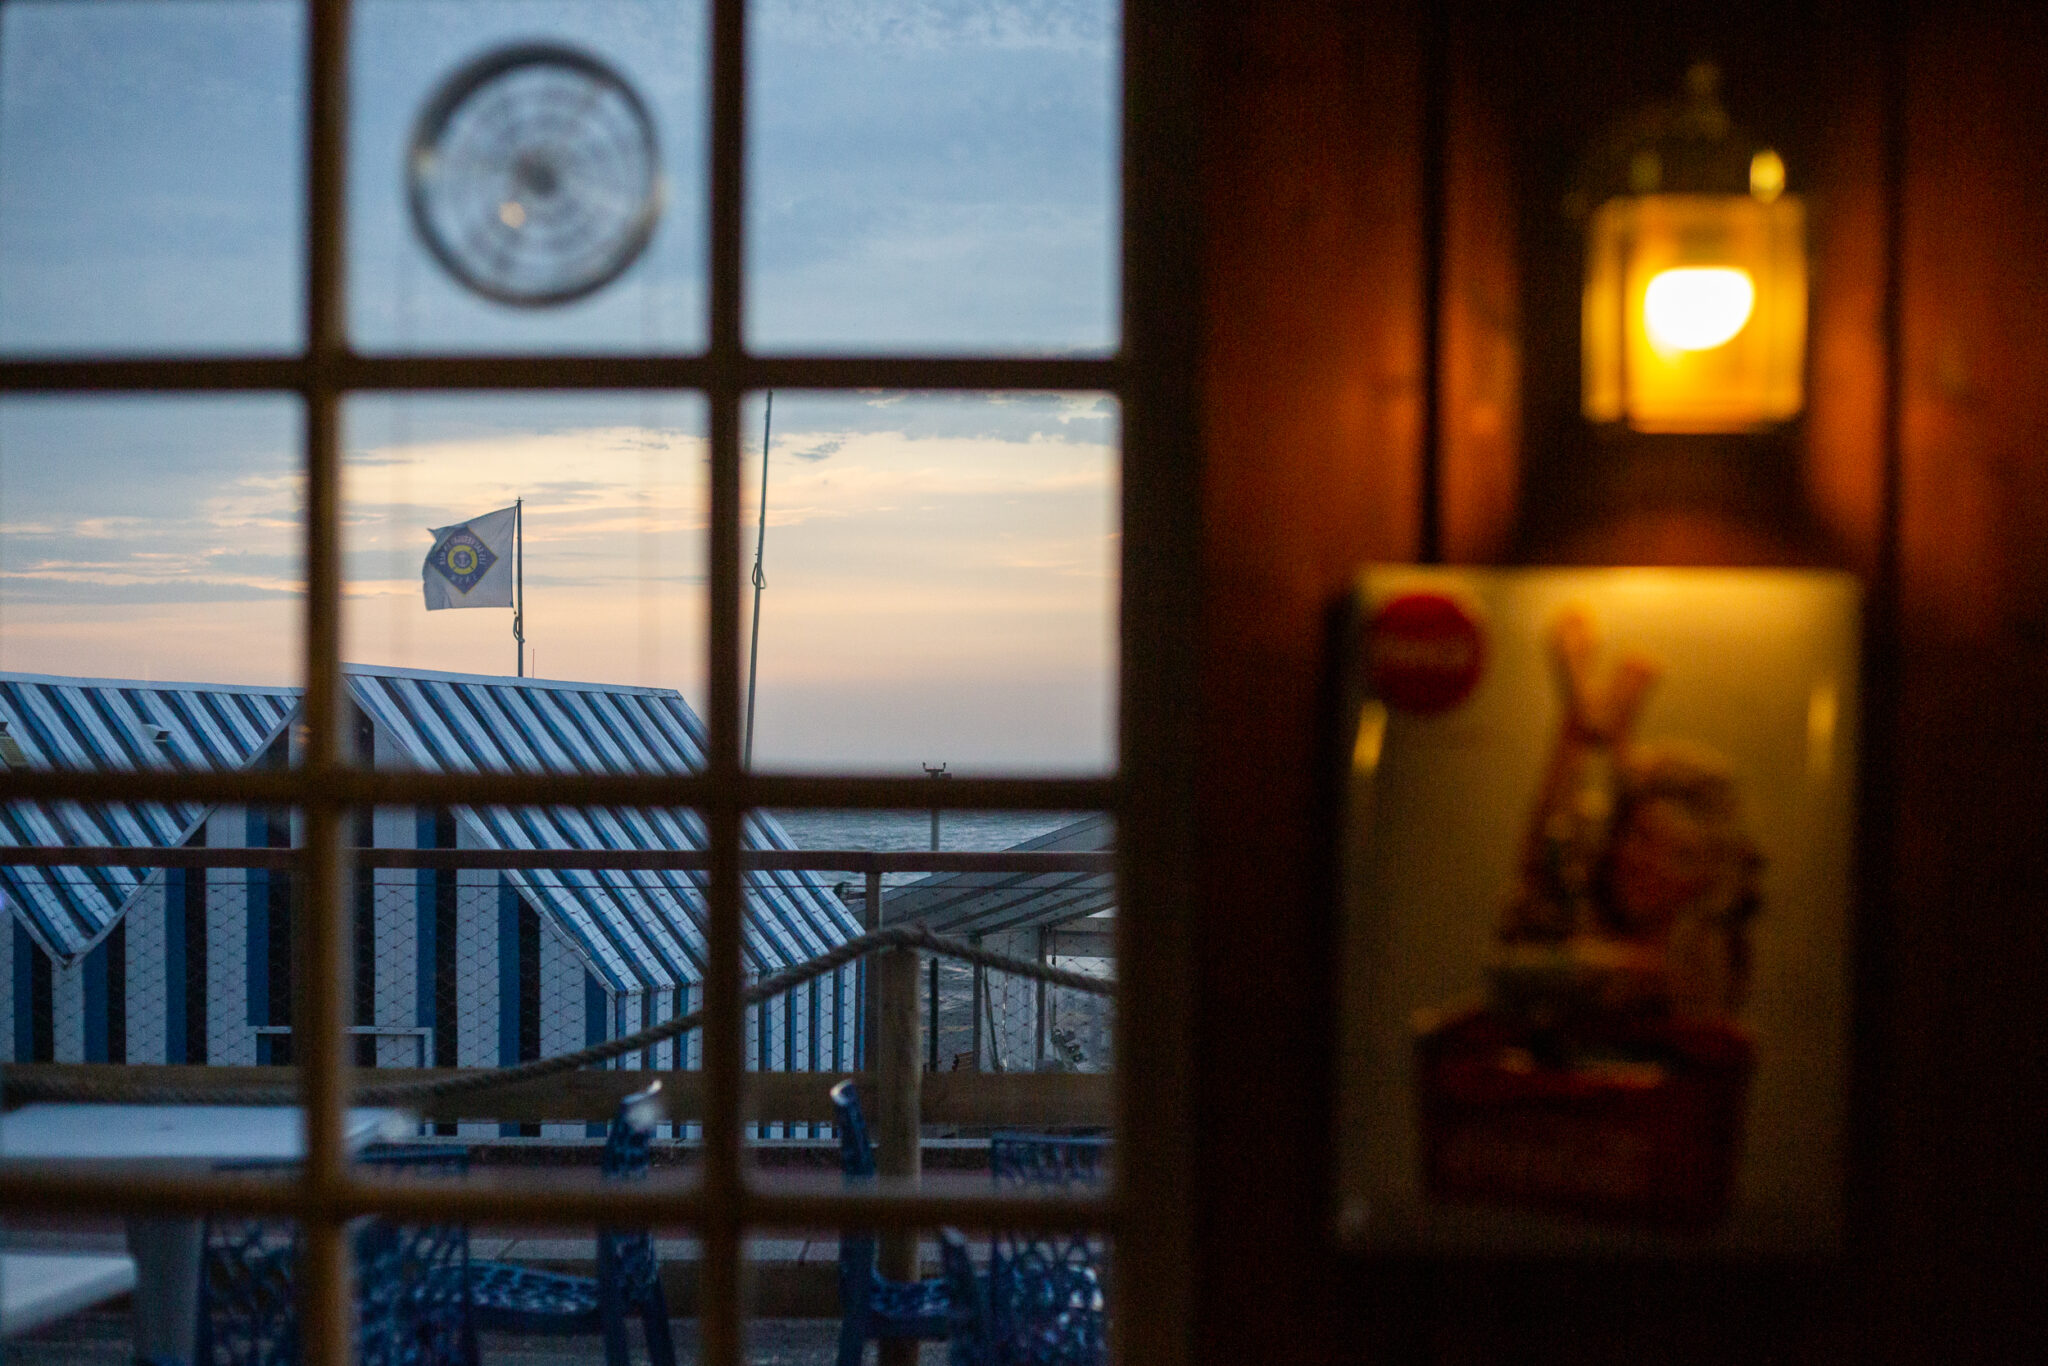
(151, 538)
(540, 179)
(933, 177)
(613, 509)
(941, 581)
(151, 191)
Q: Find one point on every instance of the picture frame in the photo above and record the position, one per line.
(1594, 861)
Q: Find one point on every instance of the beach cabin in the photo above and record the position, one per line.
(452, 967)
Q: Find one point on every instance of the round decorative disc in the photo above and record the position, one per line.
(534, 175)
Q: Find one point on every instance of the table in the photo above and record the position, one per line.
(41, 1287)
(171, 1139)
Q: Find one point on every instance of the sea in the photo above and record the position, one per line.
(900, 831)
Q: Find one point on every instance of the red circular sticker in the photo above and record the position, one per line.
(1425, 653)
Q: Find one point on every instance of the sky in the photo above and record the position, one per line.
(922, 177)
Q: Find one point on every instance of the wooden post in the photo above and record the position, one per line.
(898, 1070)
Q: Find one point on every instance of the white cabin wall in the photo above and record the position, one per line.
(476, 970)
(395, 911)
(144, 980)
(67, 1009)
(561, 1008)
(229, 1039)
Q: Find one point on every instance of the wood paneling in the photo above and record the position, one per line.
(1312, 319)
(1311, 367)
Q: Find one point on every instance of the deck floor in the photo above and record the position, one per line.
(101, 1338)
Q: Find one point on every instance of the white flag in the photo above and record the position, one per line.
(471, 563)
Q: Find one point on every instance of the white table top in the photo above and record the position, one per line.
(41, 1287)
(177, 1133)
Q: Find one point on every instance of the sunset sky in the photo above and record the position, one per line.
(936, 176)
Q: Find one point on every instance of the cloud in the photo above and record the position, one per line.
(818, 448)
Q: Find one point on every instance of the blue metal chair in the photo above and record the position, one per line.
(967, 1296)
(410, 1310)
(247, 1310)
(871, 1306)
(1041, 1302)
(507, 1297)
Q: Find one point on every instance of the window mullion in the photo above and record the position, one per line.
(319, 1011)
(719, 1302)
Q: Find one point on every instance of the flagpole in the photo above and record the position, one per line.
(519, 582)
(760, 580)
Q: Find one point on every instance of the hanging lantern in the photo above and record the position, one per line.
(1695, 296)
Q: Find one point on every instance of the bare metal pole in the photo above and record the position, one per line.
(519, 582)
(760, 581)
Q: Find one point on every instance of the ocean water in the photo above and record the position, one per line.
(891, 831)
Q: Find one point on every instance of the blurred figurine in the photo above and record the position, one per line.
(1638, 880)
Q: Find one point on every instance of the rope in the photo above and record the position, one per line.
(81, 1090)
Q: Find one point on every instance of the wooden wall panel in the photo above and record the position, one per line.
(1482, 331)
(1310, 373)
(1966, 1025)
(1310, 359)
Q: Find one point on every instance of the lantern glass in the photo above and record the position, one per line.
(1695, 311)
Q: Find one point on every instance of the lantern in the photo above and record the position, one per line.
(1694, 312)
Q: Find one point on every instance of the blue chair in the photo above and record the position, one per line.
(248, 1315)
(507, 1297)
(410, 1310)
(1041, 1302)
(871, 1306)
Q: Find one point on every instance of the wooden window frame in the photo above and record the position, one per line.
(1152, 377)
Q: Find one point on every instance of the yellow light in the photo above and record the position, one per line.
(1766, 175)
(1694, 312)
(1697, 308)
(512, 214)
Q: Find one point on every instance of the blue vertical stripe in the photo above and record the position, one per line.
(508, 975)
(95, 969)
(257, 926)
(176, 1047)
(595, 1008)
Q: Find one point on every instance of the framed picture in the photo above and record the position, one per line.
(1595, 862)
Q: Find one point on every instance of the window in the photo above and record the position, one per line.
(754, 340)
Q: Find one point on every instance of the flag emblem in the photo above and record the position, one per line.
(462, 558)
(471, 562)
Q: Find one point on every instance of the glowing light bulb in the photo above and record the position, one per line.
(1766, 176)
(1697, 308)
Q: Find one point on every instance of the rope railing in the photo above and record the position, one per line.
(140, 1090)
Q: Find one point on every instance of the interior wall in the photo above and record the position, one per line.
(1311, 358)
(1966, 1035)
(1311, 373)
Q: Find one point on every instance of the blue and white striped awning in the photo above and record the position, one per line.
(100, 723)
(636, 930)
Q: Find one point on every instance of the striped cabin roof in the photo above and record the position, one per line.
(990, 903)
(104, 723)
(635, 930)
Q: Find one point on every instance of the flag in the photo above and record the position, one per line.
(471, 562)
